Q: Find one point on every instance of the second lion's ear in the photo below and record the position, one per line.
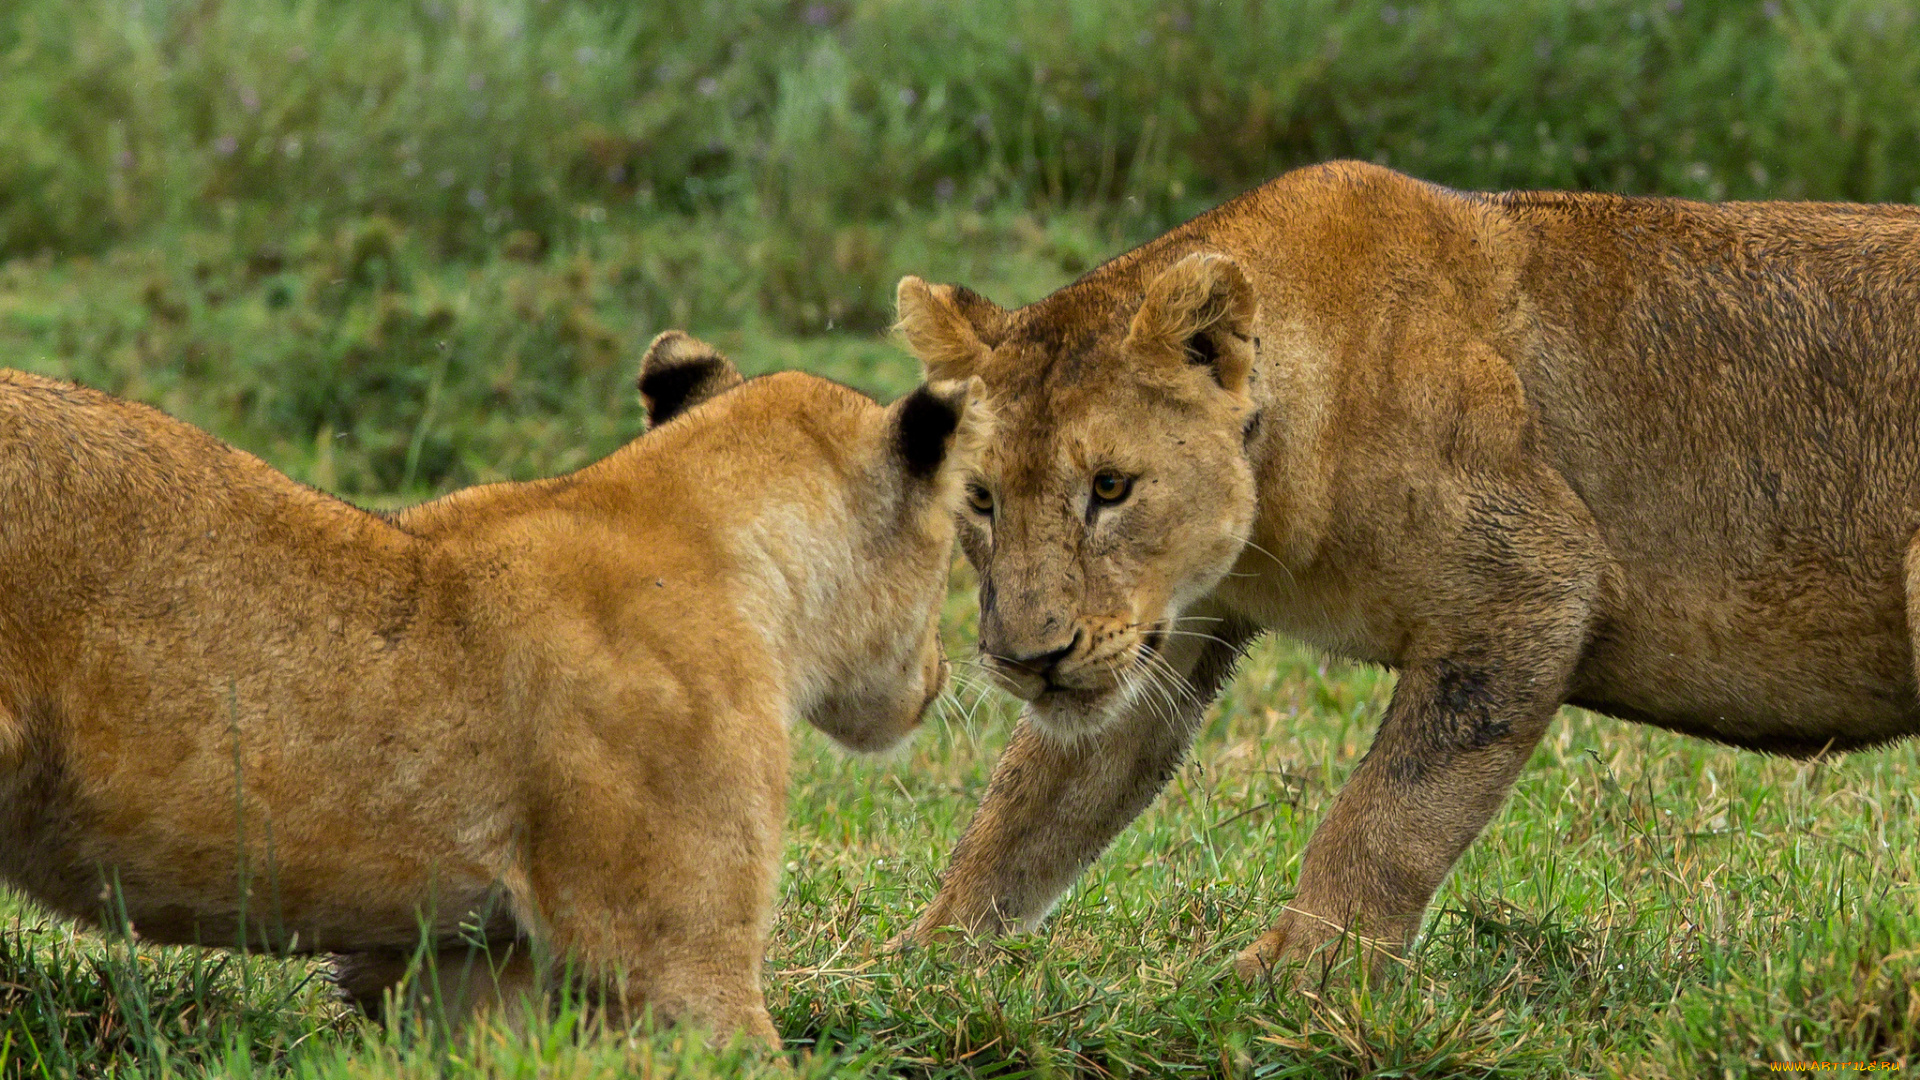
(1200, 311)
(679, 372)
(950, 328)
(940, 429)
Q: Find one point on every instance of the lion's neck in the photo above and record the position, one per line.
(798, 580)
(780, 556)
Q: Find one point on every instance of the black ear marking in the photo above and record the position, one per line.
(672, 391)
(925, 422)
(988, 318)
(680, 372)
(967, 299)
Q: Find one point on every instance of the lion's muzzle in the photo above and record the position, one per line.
(1027, 676)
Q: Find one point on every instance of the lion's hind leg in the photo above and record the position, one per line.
(447, 986)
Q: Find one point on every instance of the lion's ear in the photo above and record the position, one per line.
(949, 327)
(1202, 309)
(940, 429)
(680, 372)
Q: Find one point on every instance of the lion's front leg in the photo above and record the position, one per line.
(1469, 708)
(1441, 766)
(1052, 807)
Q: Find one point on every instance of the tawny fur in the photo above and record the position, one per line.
(232, 707)
(1656, 458)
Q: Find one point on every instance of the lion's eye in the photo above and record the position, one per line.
(980, 499)
(1110, 487)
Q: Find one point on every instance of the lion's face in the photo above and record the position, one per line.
(1116, 490)
(1094, 522)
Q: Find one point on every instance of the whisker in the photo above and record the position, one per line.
(992, 674)
(1196, 634)
(1176, 681)
(1284, 568)
(947, 710)
(1132, 682)
(978, 692)
(1165, 626)
(1176, 712)
(1158, 701)
(1153, 700)
(1172, 620)
(967, 683)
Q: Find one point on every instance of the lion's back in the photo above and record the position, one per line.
(131, 539)
(98, 490)
(162, 590)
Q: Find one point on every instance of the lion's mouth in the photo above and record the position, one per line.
(1065, 707)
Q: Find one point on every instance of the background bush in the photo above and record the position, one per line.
(385, 236)
(469, 119)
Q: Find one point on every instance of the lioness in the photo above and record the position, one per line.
(1651, 457)
(236, 710)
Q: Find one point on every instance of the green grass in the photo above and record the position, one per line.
(1646, 906)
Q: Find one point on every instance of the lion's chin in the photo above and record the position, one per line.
(1073, 716)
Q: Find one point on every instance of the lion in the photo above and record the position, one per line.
(548, 718)
(1655, 458)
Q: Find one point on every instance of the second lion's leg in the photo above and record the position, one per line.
(1052, 807)
(1454, 739)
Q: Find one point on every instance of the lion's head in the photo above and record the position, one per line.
(1117, 489)
(884, 481)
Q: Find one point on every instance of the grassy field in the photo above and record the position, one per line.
(1646, 907)
(396, 247)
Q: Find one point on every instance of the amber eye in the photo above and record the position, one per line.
(1110, 487)
(980, 499)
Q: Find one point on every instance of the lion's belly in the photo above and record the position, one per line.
(343, 849)
(177, 885)
(1831, 668)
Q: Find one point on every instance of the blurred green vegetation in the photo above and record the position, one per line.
(470, 119)
(402, 244)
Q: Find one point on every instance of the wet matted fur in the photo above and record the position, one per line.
(1656, 458)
